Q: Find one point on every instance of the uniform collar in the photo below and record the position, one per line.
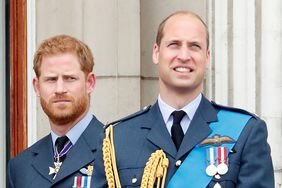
(76, 131)
(190, 108)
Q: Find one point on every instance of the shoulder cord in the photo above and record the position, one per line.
(156, 167)
(110, 159)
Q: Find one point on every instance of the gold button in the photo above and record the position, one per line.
(178, 163)
(134, 180)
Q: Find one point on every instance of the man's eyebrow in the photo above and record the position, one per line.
(69, 75)
(49, 76)
(172, 40)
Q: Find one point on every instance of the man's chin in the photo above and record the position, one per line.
(62, 120)
(61, 107)
(61, 112)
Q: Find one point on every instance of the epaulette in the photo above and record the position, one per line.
(138, 113)
(233, 109)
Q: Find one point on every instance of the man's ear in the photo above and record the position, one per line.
(35, 83)
(90, 82)
(155, 54)
(208, 59)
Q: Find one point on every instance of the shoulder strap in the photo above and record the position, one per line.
(192, 171)
(140, 112)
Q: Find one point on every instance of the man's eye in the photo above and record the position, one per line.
(173, 44)
(196, 46)
(70, 78)
(51, 79)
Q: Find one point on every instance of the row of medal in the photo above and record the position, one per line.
(83, 181)
(217, 161)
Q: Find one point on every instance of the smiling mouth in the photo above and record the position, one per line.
(183, 69)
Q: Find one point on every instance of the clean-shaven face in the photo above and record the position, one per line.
(182, 55)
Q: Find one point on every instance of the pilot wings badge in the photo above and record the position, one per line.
(216, 140)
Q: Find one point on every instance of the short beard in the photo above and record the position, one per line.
(65, 116)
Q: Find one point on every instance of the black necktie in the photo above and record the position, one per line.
(176, 130)
(61, 143)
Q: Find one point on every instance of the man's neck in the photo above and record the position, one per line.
(178, 99)
(62, 129)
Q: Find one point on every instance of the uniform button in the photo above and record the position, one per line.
(178, 163)
(134, 180)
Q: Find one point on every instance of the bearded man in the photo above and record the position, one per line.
(66, 157)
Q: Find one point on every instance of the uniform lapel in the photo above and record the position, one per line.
(43, 157)
(158, 134)
(78, 157)
(199, 128)
(82, 153)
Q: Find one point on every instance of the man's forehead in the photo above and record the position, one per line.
(184, 26)
(60, 55)
(184, 18)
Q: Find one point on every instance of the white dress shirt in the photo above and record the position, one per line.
(190, 110)
(76, 131)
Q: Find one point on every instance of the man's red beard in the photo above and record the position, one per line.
(64, 113)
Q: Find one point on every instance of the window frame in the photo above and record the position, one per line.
(18, 75)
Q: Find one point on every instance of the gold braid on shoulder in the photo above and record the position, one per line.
(110, 159)
(156, 167)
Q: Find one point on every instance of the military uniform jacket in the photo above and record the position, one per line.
(138, 136)
(30, 168)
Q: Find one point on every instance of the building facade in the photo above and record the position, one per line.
(246, 55)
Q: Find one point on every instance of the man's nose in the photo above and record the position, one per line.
(60, 87)
(184, 54)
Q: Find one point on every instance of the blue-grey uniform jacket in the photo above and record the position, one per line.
(137, 136)
(30, 169)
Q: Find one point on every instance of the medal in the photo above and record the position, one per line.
(57, 157)
(56, 169)
(222, 167)
(81, 181)
(66, 148)
(211, 169)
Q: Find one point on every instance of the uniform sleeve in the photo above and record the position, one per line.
(256, 169)
(99, 171)
(9, 181)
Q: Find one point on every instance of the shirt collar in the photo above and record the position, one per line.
(76, 131)
(190, 108)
